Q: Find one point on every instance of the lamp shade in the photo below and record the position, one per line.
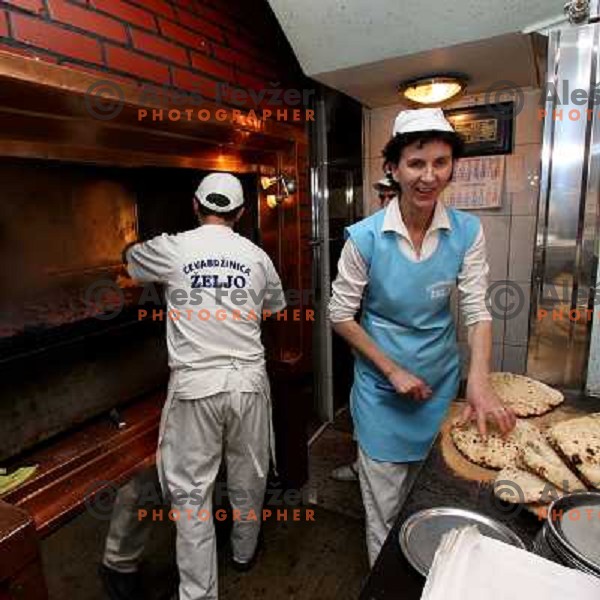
(432, 90)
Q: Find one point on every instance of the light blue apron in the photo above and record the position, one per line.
(406, 310)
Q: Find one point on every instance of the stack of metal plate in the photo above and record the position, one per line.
(571, 533)
(422, 532)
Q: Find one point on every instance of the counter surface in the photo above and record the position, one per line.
(392, 576)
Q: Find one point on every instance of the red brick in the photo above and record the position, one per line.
(52, 37)
(187, 4)
(243, 45)
(158, 7)
(255, 83)
(28, 52)
(248, 83)
(34, 6)
(184, 36)
(89, 20)
(136, 64)
(257, 61)
(241, 60)
(3, 25)
(233, 8)
(194, 83)
(199, 25)
(127, 12)
(153, 44)
(212, 67)
(218, 17)
(256, 52)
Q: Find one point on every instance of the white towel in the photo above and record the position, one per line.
(471, 566)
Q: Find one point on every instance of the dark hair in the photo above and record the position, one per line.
(393, 149)
(230, 215)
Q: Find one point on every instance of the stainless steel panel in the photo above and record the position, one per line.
(567, 220)
(322, 341)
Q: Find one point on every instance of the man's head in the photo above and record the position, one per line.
(219, 199)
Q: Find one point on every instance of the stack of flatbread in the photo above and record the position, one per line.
(534, 467)
(578, 442)
(492, 452)
(530, 470)
(525, 396)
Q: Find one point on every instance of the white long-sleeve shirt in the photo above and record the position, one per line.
(352, 278)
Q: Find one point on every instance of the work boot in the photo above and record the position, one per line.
(243, 567)
(120, 586)
(345, 473)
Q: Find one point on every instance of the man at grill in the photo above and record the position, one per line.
(218, 404)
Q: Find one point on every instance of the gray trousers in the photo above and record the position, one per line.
(383, 486)
(197, 435)
(127, 533)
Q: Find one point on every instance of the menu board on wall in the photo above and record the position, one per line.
(477, 183)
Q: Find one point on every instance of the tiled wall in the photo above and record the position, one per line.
(509, 230)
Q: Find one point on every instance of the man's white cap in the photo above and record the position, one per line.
(421, 119)
(221, 192)
(383, 183)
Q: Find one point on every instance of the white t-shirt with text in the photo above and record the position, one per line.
(218, 287)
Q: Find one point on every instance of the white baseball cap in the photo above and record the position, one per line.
(421, 119)
(383, 183)
(221, 192)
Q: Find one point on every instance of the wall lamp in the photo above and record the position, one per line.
(286, 186)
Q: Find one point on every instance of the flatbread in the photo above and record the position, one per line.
(518, 486)
(538, 457)
(578, 440)
(492, 451)
(537, 509)
(525, 432)
(525, 396)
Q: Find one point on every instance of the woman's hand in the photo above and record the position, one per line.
(406, 383)
(485, 405)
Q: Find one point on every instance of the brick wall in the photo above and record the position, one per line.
(184, 44)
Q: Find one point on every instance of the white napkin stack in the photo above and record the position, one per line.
(471, 566)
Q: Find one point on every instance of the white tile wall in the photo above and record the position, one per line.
(497, 357)
(522, 236)
(522, 178)
(515, 358)
(496, 230)
(528, 128)
(517, 321)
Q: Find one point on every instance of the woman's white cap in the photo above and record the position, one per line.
(221, 192)
(421, 119)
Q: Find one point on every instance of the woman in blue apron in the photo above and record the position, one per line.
(402, 264)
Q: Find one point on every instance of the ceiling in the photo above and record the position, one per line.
(512, 57)
(365, 52)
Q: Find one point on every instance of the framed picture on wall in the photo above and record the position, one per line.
(486, 129)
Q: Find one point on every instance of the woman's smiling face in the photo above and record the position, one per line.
(423, 172)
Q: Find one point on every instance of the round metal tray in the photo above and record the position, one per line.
(421, 533)
(544, 546)
(576, 534)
